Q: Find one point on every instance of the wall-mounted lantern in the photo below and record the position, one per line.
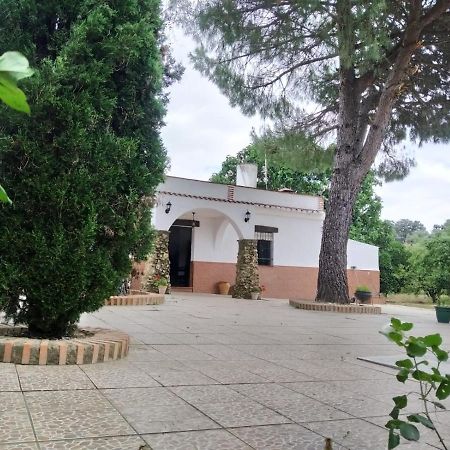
(247, 216)
(168, 206)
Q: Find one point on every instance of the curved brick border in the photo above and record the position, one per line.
(333, 307)
(147, 298)
(103, 345)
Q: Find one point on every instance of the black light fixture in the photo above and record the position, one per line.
(247, 216)
(168, 206)
(193, 220)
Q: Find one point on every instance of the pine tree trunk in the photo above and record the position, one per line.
(332, 282)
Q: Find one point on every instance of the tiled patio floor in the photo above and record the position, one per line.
(213, 373)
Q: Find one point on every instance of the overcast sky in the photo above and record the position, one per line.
(202, 129)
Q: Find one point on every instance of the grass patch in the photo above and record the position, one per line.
(418, 301)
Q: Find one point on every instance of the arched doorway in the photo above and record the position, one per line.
(198, 237)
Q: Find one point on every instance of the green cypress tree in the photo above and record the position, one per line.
(83, 168)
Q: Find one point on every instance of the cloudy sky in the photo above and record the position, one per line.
(202, 129)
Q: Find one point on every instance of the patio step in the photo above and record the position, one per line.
(181, 289)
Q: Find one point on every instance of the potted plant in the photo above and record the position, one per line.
(224, 287)
(363, 293)
(443, 311)
(162, 284)
(256, 293)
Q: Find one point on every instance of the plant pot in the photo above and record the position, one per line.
(363, 296)
(254, 295)
(443, 314)
(224, 287)
(162, 289)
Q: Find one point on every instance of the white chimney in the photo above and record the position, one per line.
(247, 175)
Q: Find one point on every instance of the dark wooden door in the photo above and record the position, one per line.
(180, 242)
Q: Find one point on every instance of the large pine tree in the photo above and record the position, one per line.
(81, 170)
(377, 72)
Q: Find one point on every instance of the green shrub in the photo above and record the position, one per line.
(363, 288)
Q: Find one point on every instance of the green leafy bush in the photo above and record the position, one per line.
(363, 288)
(83, 168)
(434, 386)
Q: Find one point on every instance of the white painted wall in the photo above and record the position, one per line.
(297, 242)
(362, 256)
(215, 241)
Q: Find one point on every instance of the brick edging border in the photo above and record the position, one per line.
(333, 307)
(103, 345)
(135, 300)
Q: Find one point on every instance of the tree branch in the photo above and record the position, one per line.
(291, 69)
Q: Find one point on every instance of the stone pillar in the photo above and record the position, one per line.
(247, 275)
(159, 261)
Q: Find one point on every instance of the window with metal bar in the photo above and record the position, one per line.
(265, 248)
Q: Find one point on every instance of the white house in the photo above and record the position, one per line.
(206, 221)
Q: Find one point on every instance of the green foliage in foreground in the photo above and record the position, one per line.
(434, 386)
(82, 168)
(13, 68)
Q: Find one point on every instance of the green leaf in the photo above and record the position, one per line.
(401, 401)
(406, 326)
(402, 375)
(394, 413)
(4, 196)
(439, 405)
(406, 363)
(420, 375)
(441, 355)
(416, 349)
(417, 418)
(436, 376)
(394, 336)
(14, 67)
(12, 95)
(443, 391)
(394, 440)
(396, 324)
(432, 340)
(409, 431)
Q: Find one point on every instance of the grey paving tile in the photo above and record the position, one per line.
(162, 418)
(207, 394)
(74, 414)
(230, 376)
(9, 380)
(52, 378)
(110, 443)
(282, 437)
(118, 375)
(15, 425)
(141, 397)
(182, 378)
(241, 414)
(157, 410)
(196, 440)
(361, 406)
(354, 434)
(145, 353)
(182, 352)
(19, 446)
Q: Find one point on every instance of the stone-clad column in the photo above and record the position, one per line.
(247, 275)
(159, 261)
